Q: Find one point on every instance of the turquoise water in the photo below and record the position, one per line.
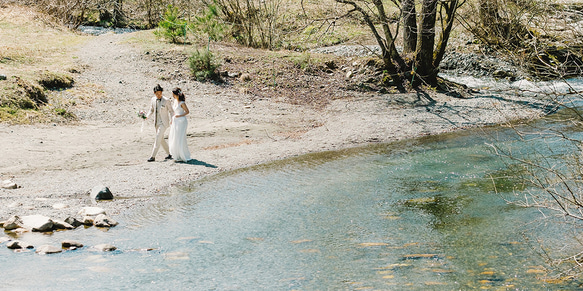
(414, 215)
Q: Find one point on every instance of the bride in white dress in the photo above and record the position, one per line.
(177, 136)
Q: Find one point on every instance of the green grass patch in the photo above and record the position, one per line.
(204, 65)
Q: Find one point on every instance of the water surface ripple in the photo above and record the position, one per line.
(413, 215)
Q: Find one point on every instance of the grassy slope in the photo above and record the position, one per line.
(31, 46)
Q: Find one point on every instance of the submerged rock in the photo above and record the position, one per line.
(103, 220)
(91, 211)
(17, 244)
(71, 244)
(48, 249)
(105, 248)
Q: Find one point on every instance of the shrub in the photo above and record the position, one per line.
(209, 24)
(303, 61)
(203, 65)
(172, 27)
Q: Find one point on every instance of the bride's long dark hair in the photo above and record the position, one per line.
(178, 92)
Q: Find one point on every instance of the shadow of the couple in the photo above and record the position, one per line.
(196, 162)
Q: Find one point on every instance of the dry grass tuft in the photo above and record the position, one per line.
(35, 54)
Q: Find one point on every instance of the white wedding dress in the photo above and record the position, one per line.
(177, 136)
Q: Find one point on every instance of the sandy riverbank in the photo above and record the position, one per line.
(60, 164)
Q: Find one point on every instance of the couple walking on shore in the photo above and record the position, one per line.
(170, 114)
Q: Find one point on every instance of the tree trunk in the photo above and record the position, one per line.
(447, 26)
(117, 13)
(424, 69)
(150, 14)
(389, 40)
(409, 26)
(387, 45)
(419, 37)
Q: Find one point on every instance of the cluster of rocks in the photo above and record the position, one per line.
(87, 216)
(91, 216)
(479, 65)
(66, 245)
(473, 64)
(98, 30)
(350, 50)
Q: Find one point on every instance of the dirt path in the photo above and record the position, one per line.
(227, 130)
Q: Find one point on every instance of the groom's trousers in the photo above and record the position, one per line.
(160, 131)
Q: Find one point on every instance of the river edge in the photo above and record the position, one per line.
(55, 166)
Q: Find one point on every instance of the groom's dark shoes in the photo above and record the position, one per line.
(151, 159)
(169, 157)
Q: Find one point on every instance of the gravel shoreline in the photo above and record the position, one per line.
(60, 164)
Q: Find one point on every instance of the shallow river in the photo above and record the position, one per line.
(413, 215)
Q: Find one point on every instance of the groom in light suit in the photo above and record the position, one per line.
(161, 108)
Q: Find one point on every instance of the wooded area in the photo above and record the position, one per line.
(413, 35)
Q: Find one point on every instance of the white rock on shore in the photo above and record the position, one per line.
(38, 223)
(8, 184)
(12, 223)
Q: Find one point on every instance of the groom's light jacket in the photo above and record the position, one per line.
(166, 111)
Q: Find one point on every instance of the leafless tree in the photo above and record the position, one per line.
(432, 28)
(546, 159)
(253, 22)
(70, 13)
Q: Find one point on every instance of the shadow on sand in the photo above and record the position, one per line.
(196, 162)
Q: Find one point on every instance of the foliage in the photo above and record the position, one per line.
(210, 24)
(172, 27)
(302, 61)
(26, 101)
(203, 65)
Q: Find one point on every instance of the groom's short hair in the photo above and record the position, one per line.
(158, 88)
